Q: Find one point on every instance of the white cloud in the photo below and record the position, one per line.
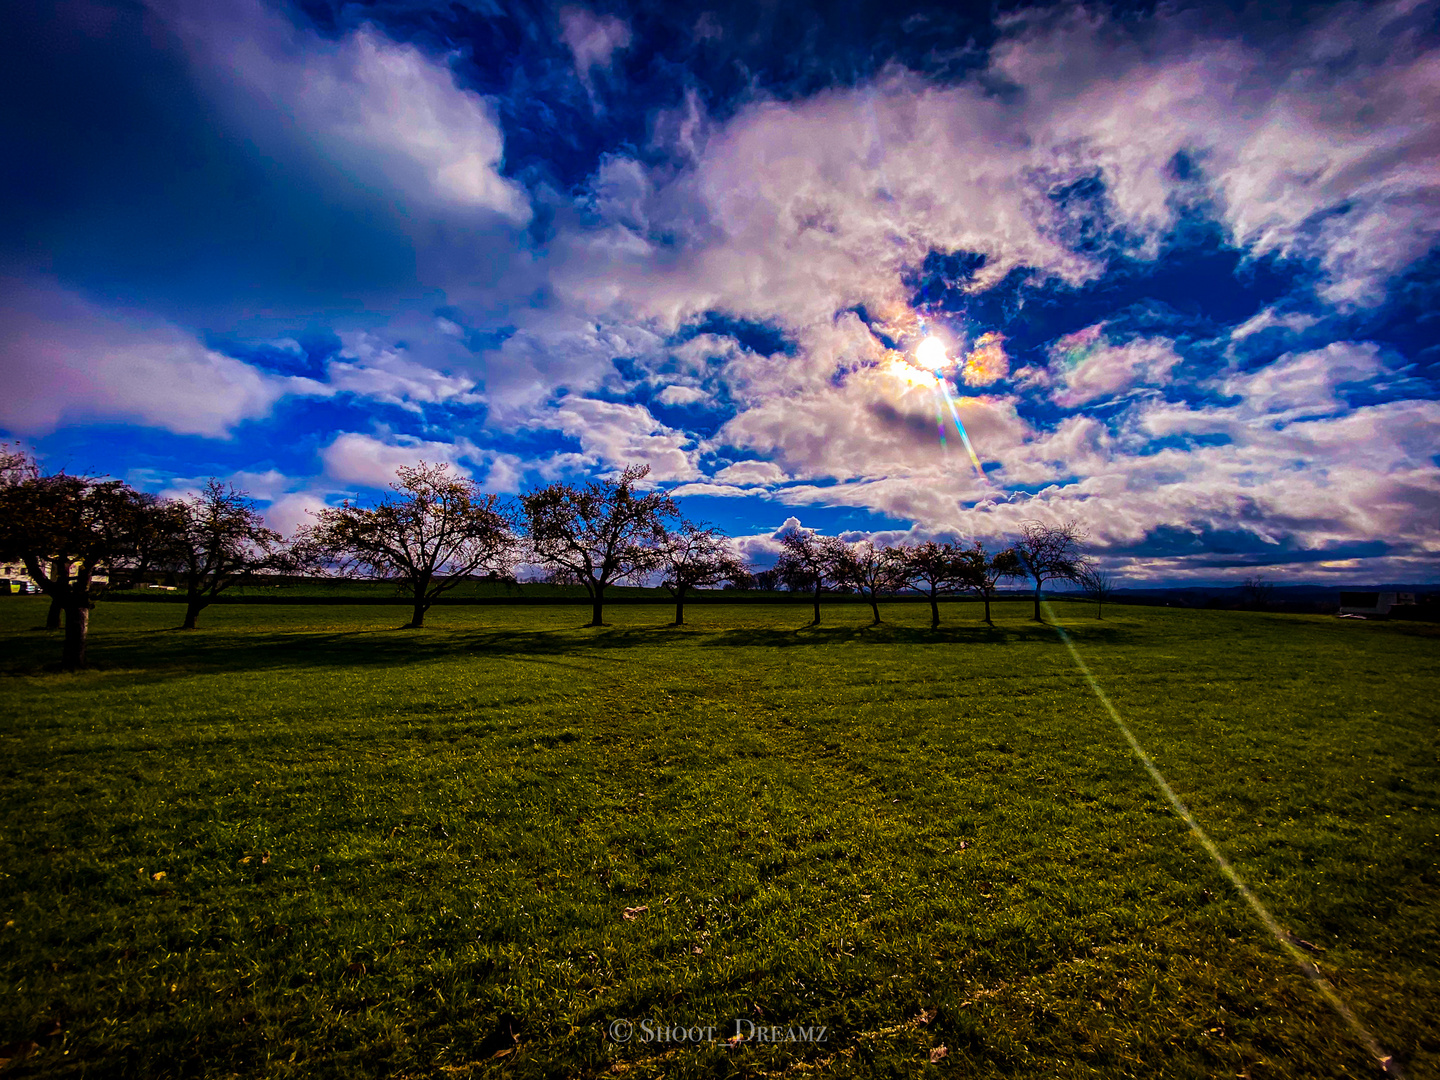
(619, 435)
(1103, 370)
(355, 458)
(370, 369)
(752, 472)
(374, 105)
(593, 40)
(1306, 382)
(681, 395)
(68, 360)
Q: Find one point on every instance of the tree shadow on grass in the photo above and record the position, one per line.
(163, 653)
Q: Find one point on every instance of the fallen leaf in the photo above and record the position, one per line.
(938, 1053)
(245, 859)
(17, 1051)
(632, 912)
(159, 875)
(265, 858)
(926, 1017)
(696, 950)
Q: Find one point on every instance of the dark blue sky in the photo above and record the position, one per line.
(1181, 262)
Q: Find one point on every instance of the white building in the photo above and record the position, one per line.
(1375, 604)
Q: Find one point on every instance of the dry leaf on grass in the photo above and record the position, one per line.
(632, 913)
(938, 1053)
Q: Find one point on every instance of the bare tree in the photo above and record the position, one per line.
(1098, 585)
(984, 572)
(434, 532)
(872, 570)
(811, 561)
(936, 570)
(697, 557)
(1256, 592)
(602, 533)
(214, 539)
(70, 532)
(1049, 553)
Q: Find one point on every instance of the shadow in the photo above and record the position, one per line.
(168, 652)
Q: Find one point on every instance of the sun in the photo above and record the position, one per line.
(930, 353)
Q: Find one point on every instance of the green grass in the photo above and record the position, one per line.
(403, 853)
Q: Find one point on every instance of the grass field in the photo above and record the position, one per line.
(298, 842)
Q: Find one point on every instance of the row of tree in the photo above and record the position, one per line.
(436, 529)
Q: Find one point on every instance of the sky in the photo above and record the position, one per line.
(897, 270)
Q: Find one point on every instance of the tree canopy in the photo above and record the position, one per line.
(602, 533)
(435, 530)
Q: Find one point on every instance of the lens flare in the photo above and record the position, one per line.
(930, 353)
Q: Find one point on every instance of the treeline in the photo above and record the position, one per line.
(78, 536)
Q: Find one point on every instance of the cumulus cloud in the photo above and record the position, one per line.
(373, 104)
(356, 458)
(752, 472)
(675, 394)
(67, 360)
(618, 435)
(1085, 366)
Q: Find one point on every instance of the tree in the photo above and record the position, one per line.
(872, 570)
(212, 540)
(1098, 584)
(765, 580)
(434, 532)
(1256, 592)
(697, 557)
(984, 572)
(1049, 553)
(602, 533)
(811, 561)
(934, 569)
(69, 531)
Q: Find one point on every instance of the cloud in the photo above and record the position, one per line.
(1306, 382)
(68, 360)
(752, 472)
(618, 435)
(681, 395)
(1085, 366)
(374, 105)
(592, 40)
(355, 458)
(368, 368)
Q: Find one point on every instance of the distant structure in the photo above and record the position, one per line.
(1374, 604)
(15, 579)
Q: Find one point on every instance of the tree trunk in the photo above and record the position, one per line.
(874, 610)
(987, 609)
(59, 578)
(192, 612)
(1037, 602)
(816, 620)
(77, 622)
(597, 607)
(934, 613)
(417, 619)
(1099, 607)
(680, 608)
